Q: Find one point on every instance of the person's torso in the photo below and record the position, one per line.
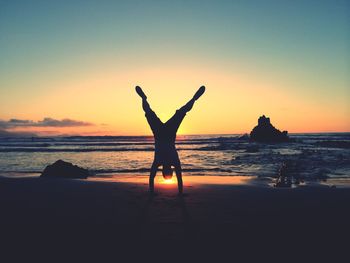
(165, 135)
(165, 149)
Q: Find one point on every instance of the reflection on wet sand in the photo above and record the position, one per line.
(188, 180)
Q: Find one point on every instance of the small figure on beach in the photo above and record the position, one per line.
(164, 136)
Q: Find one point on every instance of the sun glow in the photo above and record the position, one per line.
(167, 181)
(187, 180)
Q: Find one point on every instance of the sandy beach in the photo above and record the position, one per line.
(97, 218)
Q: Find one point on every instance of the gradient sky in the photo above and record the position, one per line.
(80, 60)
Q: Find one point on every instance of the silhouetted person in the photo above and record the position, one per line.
(164, 135)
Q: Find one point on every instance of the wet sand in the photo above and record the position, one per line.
(104, 219)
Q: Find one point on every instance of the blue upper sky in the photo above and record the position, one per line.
(306, 42)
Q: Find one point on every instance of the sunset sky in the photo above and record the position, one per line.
(70, 67)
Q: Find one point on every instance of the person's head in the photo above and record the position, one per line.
(167, 171)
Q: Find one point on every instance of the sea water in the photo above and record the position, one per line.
(315, 156)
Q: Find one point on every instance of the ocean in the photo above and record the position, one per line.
(316, 156)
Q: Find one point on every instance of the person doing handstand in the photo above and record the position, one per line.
(165, 153)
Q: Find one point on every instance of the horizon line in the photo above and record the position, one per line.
(150, 135)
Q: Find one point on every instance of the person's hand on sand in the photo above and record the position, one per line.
(140, 92)
(199, 93)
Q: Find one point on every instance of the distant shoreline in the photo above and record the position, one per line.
(151, 136)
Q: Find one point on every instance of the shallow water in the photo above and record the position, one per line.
(314, 156)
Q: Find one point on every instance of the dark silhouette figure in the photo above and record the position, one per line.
(165, 136)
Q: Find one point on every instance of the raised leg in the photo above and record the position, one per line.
(199, 93)
(152, 119)
(140, 92)
(180, 114)
(145, 104)
(188, 106)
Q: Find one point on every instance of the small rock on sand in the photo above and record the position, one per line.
(62, 169)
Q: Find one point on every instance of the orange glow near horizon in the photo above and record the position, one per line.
(232, 103)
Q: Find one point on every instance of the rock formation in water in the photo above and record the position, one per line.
(266, 132)
(62, 169)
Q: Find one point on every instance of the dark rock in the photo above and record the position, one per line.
(62, 169)
(266, 132)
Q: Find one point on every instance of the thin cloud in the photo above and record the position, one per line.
(49, 122)
(46, 122)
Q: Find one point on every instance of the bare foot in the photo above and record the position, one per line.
(140, 92)
(199, 93)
